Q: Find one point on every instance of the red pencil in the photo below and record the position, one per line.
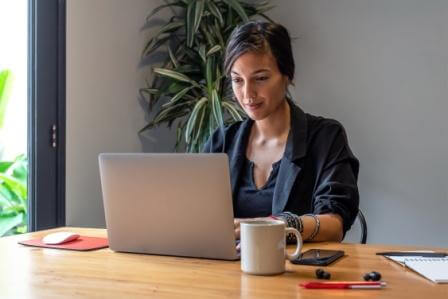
(343, 285)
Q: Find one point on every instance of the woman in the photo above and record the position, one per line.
(284, 163)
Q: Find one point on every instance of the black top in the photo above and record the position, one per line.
(317, 174)
(252, 202)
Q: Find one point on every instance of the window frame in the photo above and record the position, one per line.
(46, 110)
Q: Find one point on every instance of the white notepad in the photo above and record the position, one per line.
(434, 269)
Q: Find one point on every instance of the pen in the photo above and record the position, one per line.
(344, 285)
(413, 253)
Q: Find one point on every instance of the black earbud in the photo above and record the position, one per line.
(374, 276)
(322, 274)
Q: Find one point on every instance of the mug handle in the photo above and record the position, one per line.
(296, 253)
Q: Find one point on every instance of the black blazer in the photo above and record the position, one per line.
(318, 172)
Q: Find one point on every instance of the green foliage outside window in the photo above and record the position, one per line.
(13, 196)
(13, 176)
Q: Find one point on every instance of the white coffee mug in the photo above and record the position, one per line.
(263, 246)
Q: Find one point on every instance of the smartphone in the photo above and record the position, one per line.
(318, 257)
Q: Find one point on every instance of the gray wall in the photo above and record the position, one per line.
(381, 68)
(104, 42)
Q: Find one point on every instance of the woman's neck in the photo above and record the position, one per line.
(275, 127)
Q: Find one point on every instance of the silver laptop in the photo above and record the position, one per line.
(168, 204)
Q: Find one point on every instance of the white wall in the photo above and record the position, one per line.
(381, 68)
(104, 43)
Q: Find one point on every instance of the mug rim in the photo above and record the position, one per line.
(272, 222)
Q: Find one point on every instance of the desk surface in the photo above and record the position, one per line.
(28, 272)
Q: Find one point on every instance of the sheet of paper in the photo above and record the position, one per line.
(400, 259)
(434, 269)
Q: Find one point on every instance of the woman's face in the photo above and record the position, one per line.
(258, 85)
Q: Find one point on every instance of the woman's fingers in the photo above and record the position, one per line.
(236, 224)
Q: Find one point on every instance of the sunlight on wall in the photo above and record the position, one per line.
(14, 56)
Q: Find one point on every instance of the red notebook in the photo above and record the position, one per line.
(81, 244)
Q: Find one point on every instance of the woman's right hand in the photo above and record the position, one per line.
(236, 225)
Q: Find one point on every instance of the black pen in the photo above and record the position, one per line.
(413, 253)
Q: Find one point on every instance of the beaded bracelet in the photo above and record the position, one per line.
(291, 220)
(298, 224)
(316, 228)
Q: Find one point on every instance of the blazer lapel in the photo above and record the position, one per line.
(290, 165)
(238, 154)
(285, 180)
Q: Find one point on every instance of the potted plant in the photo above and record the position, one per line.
(190, 89)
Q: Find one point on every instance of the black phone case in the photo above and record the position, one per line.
(320, 261)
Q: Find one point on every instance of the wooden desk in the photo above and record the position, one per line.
(27, 272)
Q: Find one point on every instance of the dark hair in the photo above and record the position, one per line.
(261, 37)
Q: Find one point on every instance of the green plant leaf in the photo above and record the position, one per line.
(213, 50)
(195, 11)
(178, 96)
(200, 127)
(167, 113)
(8, 221)
(186, 68)
(216, 107)
(173, 58)
(229, 24)
(208, 74)
(209, 37)
(153, 94)
(216, 12)
(189, 23)
(175, 116)
(202, 52)
(19, 169)
(232, 111)
(15, 185)
(154, 44)
(174, 75)
(179, 134)
(6, 198)
(217, 31)
(199, 11)
(192, 119)
(219, 77)
(238, 8)
(161, 36)
(5, 90)
(4, 165)
(149, 91)
(159, 8)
